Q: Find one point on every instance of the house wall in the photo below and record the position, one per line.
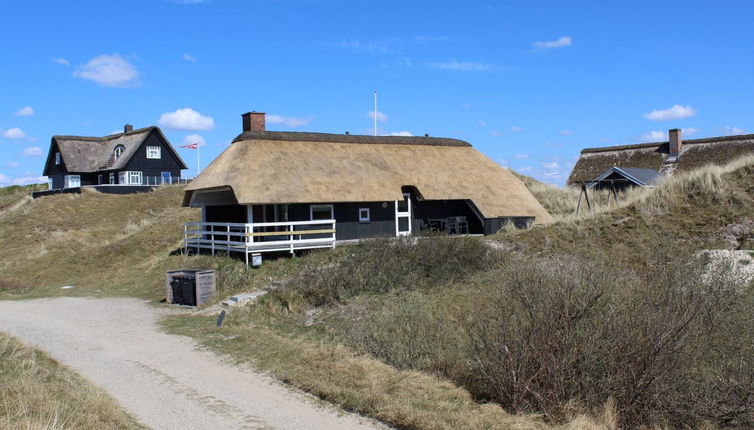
(153, 167)
(493, 225)
(347, 225)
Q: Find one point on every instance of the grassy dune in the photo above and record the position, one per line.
(378, 334)
(38, 393)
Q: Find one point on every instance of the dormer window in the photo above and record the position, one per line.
(57, 158)
(118, 152)
(154, 152)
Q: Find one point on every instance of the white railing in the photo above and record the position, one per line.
(259, 237)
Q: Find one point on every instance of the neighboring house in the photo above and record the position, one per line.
(620, 178)
(661, 157)
(325, 187)
(137, 158)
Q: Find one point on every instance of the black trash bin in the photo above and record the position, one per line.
(177, 288)
(188, 285)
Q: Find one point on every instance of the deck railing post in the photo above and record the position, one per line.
(212, 239)
(290, 237)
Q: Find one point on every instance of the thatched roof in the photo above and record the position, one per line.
(275, 167)
(694, 153)
(84, 154)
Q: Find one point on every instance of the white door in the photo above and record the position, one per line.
(403, 216)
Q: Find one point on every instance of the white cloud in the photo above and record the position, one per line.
(400, 133)
(32, 151)
(482, 122)
(14, 133)
(522, 156)
(109, 70)
(5, 179)
(194, 138)
(516, 129)
(730, 131)
(496, 133)
(25, 111)
(462, 66)
(373, 47)
(288, 120)
(559, 43)
(674, 112)
(662, 135)
(12, 164)
(525, 169)
(566, 132)
(188, 57)
(654, 136)
(550, 164)
(25, 180)
(186, 119)
(465, 105)
(381, 117)
(689, 131)
(62, 61)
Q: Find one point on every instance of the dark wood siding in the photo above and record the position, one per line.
(347, 225)
(154, 167)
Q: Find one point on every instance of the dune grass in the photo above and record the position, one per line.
(38, 393)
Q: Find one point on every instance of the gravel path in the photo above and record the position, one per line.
(162, 379)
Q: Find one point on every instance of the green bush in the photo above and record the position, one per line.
(383, 265)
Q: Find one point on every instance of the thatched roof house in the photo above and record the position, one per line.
(128, 158)
(368, 184)
(664, 157)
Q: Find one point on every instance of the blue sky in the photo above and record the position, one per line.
(528, 83)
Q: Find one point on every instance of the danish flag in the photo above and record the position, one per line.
(191, 146)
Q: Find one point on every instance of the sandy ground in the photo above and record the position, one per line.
(162, 379)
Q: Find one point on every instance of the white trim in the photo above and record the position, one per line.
(135, 174)
(112, 178)
(154, 152)
(118, 151)
(68, 183)
(367, 218)
(406, 214)
(313, 207)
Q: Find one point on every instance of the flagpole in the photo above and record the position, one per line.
(198, 166)
(375, 112)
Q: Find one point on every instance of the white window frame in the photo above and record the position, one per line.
(134, 174)
(367, 218)
(118, 151)
(122, 178)
(69, 180)
(57, 158)
(154, 152)
(313, 208)
(405, 214)
(112, 178)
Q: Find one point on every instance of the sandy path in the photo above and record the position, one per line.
(161, 378)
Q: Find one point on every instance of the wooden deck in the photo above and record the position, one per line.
(252, 238)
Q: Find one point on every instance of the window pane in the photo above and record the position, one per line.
(403, 223)
(321, 213)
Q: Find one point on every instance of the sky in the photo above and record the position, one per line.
(528, 83)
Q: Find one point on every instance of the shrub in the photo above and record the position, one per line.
(384, 265)
(557, 334)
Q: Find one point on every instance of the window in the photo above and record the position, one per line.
(100, 179)
(154, 152)
(118, 152)
(134, 178)
(364, 215)
(72, 181)
(112, 178)
(57, 158)
(318, 212)
(122, 178)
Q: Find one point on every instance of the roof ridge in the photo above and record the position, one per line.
(665, 142)
(104, 138)
(300, 136)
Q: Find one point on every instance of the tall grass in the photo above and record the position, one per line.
(38, 393)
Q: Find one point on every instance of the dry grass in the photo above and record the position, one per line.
(38, 393)
(402, 398)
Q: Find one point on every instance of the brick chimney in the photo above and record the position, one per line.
(253, 121)
(676, 141)
(128, 128)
